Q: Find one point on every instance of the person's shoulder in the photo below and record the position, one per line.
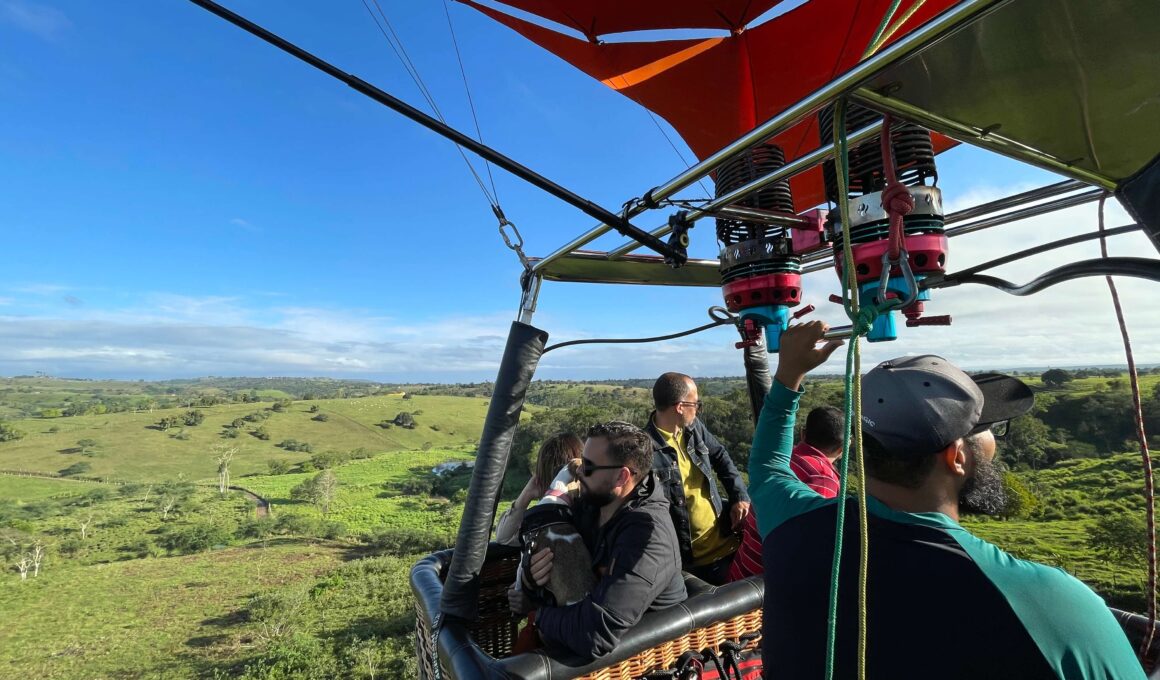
(1028, 585)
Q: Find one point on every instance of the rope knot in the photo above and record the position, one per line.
(863, 321)
(897, 200)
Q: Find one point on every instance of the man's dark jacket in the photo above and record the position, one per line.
(635, 558)
(710, 457)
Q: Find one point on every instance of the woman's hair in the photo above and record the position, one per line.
(554, 454)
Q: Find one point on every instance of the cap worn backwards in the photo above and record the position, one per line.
(921, 404)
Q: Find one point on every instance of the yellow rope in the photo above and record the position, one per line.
(855, 380)
(886, 35)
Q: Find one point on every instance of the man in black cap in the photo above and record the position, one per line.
(941, 602)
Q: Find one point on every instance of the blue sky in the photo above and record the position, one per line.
(180, 199)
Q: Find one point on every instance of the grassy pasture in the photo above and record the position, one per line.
(368, 495)
(130, 449)
(172, 617)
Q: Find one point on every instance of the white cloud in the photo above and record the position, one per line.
(43, 21)
(244, 224)
(171, 335)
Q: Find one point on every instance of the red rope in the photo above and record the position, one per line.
(1137, 413)
(896, 198)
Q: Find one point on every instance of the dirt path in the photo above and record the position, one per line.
(261, 505)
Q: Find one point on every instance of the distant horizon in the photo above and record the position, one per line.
(1013, 369)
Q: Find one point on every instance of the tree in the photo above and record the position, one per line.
(223, 456)
(86, 446)
(1030, 444)
(9, 433)
(83, 525)
(1056, 377)
(405, 419)
(168, 422)
(314, 408)
(23, 564)
(37, 555)
(278, 467)
(319, 490)
(192, 418)
(1121, 537)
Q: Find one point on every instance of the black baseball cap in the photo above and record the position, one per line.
(920, 404)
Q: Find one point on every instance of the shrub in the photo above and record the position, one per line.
(256, 527)
(9, 433)
(191, 418)
(278, 467)
(139, 548)
(404, 541)
(295, 524)
(76, 469)
(194, 538)
(331, 529)
(295, 445)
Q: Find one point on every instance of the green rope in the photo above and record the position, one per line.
(881, 27)
(861, 319)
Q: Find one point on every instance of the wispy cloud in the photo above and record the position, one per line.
(163, 334)
(40, 288)
(43, 21)
(243, 224)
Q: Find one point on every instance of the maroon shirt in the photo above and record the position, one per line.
(812, 467)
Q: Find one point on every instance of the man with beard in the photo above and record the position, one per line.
(623, 518)
(941, 603)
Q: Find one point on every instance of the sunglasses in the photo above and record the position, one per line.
(695, 404)
(1000, 429)
(587, 467)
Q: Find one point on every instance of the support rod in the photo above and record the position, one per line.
(794, 167)
(992, 141)
(1016, 200)
(821, 260)
(621, 224)
(935, 29)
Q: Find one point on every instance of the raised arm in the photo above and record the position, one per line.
(777, 494)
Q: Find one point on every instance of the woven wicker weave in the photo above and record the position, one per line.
(495, 631)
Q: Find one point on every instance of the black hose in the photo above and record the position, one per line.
(625, 341)
(1135, 267)
(1071, 240)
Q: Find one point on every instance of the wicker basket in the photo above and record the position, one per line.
(495, 631)
(664, 656)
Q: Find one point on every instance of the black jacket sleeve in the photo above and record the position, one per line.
(724, 468)
(641, 567)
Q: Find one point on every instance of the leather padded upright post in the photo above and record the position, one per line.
(520, 358)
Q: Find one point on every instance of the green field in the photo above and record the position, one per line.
(174, 617)
(130, 449)
(33, 489)
(208, 589)
(369, 497)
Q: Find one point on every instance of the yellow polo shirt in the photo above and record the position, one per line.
(708, 543)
